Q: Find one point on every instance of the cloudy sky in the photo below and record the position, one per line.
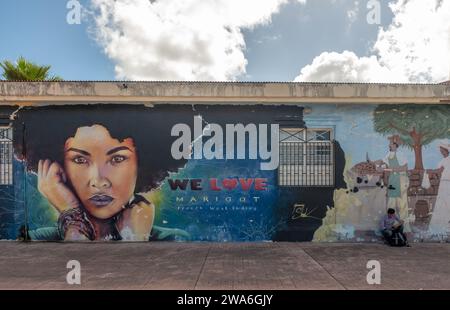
(242, 40)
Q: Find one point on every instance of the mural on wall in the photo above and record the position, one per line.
(160, 173)
(410, 177)
(90, 166)
(228, 172)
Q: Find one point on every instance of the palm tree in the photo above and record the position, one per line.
(24, 70)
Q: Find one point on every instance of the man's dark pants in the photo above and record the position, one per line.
(387, 233)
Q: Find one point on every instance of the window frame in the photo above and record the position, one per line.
(6, 152)
(308, 178)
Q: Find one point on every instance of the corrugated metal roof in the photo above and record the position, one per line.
(222, 82)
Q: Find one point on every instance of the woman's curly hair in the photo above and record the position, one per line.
(41, 133)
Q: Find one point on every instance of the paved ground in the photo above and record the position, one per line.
(222, 266)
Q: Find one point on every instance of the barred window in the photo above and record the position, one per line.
(306, 157)
(6, 156)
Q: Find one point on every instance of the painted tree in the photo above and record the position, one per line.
(24, 70)
(416, 125)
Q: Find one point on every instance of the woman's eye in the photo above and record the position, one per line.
(118, 159)
(80, 160)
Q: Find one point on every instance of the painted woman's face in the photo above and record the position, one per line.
(101, 169)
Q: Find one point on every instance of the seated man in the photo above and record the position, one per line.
(390, 224)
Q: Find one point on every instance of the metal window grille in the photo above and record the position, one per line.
(306, 157)
(6, 156)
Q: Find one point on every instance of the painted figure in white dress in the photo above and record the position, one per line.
(440, 219)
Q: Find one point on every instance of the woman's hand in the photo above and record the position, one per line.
(51, 184)
(138, 220)
(74, 234)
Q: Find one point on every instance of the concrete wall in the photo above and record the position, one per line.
(179, 176)
(38, 93)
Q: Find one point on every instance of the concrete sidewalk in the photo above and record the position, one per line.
(156, 265)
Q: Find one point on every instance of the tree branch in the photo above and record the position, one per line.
(406, 132)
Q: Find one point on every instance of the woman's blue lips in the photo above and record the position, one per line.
(101, 200)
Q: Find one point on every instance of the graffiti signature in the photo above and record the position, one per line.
(300, 211)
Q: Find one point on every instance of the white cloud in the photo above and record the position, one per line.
(417, 43)
(344, 67)
(414, 48)
(265, 39)
(179, 40)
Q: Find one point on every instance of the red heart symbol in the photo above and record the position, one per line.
(229, 184)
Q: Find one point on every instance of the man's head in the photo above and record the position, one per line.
(444, 151)
(391, 212)
(393, 146)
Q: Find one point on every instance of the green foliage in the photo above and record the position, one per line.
(24, 70)
(431, 122)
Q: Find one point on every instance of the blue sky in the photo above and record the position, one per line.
(44, 36)
(279, 40)
(301, 32)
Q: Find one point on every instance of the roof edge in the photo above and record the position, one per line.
(202, 91)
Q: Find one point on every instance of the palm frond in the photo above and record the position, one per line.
(24, 70)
